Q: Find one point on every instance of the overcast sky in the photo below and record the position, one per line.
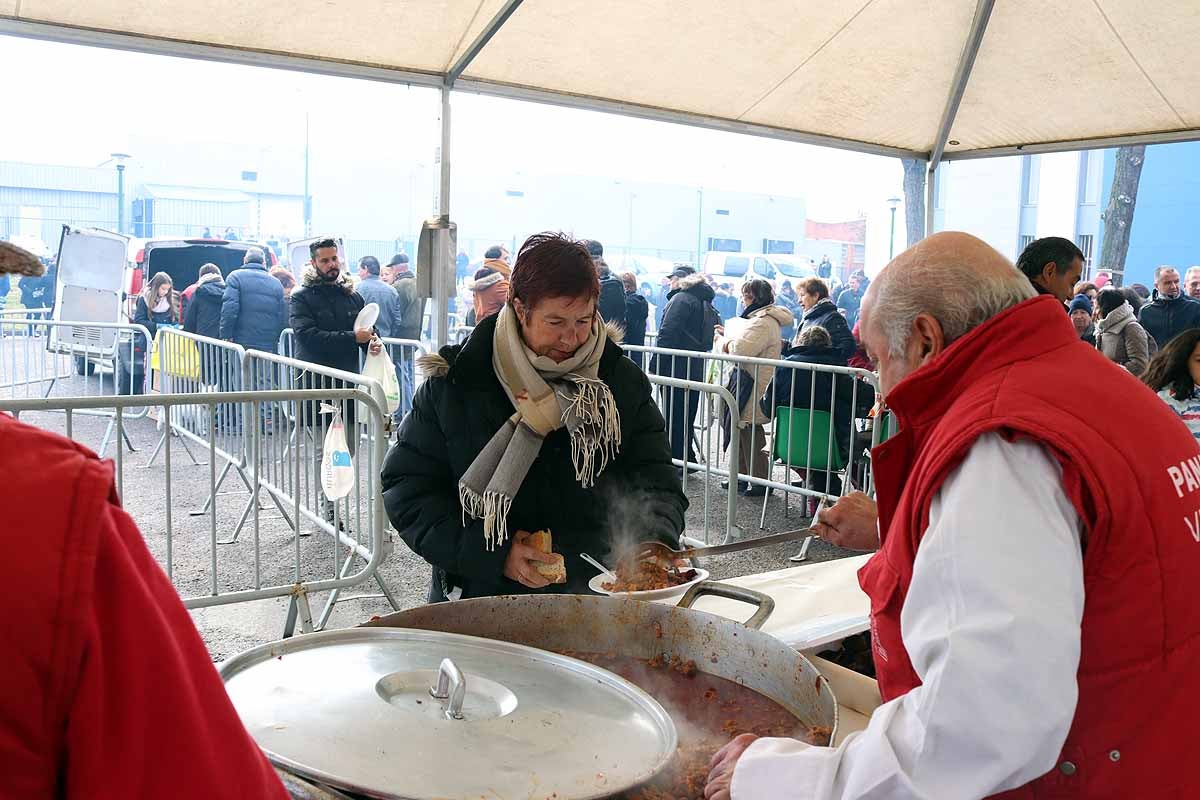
(80, 104)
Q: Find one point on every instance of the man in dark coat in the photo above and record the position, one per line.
(253, 310)
(689, 322)
(637, 312)
(819, 310)
(203, 313)
(849, 300)
(462, 406)
(612, 291)
(1172, 312)
(412, 317)
(820, 391)
(324, 308)
(203, 317)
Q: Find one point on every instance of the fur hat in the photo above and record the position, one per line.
(18, 261)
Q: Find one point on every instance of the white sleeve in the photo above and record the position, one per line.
(992, 626)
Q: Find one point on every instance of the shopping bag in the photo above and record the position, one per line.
(182, 356)
(381, 368)
(337, 468)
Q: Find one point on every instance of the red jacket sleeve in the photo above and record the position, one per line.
(149, 715)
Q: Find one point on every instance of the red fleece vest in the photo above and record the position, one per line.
(1135, 483)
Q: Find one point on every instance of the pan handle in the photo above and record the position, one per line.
(765, 603)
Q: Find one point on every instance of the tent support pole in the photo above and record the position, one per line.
(962, 74)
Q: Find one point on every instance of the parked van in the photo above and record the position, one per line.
(97, 282)
(742, 266)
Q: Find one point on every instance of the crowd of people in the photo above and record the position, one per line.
(1007, 532)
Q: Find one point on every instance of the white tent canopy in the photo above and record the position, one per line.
(924, 79)
(877, 76)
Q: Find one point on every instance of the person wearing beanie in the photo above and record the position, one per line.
(490, 291)
(1081, 317)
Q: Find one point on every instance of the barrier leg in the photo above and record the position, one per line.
(298, 607)
(212, 495)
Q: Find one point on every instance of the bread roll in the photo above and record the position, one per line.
(555, 572)
(540, 541)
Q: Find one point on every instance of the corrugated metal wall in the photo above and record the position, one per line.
(43, 212)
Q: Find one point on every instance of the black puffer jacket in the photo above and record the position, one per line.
(687, 325)
(826, 315)
(636, 312)
(611, 303)
(322, 320)
(456, 412)
(203, 315)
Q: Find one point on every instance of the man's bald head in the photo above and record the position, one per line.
(934, 293)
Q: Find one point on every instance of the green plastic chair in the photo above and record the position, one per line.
(792, 440)
(884, 421)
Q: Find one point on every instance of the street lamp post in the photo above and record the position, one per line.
(120, 158)
(892, 202)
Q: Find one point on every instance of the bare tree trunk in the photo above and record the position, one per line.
(1118, 214)
(914, 198)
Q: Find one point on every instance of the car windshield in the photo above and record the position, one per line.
(794, 269)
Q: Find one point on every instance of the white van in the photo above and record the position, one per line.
(97, 282)
(742, 266)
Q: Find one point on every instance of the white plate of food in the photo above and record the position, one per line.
(596, 584)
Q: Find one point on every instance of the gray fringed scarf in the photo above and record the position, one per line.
(547, 396)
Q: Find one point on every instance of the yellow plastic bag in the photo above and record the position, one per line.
(183, 357)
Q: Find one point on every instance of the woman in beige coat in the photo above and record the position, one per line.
(759, 336)
(1119, 335)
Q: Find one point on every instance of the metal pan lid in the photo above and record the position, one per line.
(398, 713)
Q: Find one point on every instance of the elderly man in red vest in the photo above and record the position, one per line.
(1033, 603)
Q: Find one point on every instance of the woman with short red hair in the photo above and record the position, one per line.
(536, 422)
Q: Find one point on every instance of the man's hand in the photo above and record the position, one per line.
(852, 523)
(376, 347)
(363, 335)
(517, 566)
(720, 769)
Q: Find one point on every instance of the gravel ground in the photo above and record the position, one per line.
(229, 629)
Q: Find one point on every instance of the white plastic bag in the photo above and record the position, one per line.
(337, 468)
(381, 368)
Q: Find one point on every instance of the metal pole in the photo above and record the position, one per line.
(699, 228)
(892, 237)
(442, 260)
(307, 197)
(930, 196)
(120, 198)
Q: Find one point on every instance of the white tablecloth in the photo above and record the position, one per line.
(815, 604)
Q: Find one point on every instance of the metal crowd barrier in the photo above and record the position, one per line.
(11, 320)
(306, 426)
(188, 363)
(276, 561)
(91, 359)
(402, 352)
(815, 453)
(708, 395)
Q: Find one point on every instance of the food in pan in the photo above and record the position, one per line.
(708, 712)
(543, 542)
(644, 576)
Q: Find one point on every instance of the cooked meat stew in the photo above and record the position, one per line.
(708, 712)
